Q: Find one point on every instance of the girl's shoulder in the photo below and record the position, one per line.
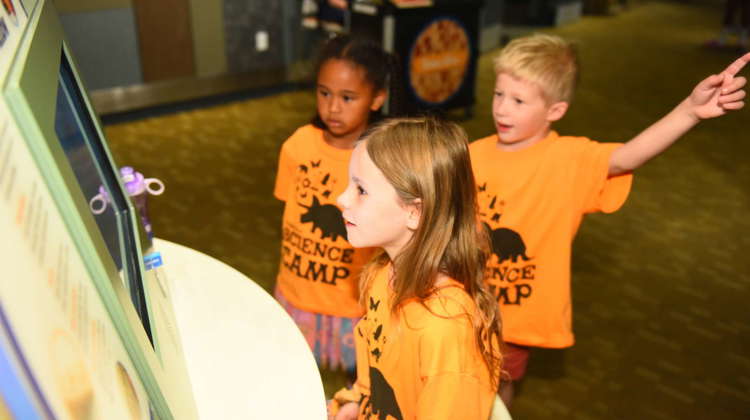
(309, 141)
(450, 300)
(305, 135)
(304, 142)
(447, 303)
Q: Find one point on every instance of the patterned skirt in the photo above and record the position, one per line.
(331, 338)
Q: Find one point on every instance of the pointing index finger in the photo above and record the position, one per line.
(737, 65)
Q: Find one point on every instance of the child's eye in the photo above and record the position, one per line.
(348, 98)
(499, 94)
(518, 101)
(361, 191)
(322, 93)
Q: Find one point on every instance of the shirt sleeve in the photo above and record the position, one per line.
(284, 173)
(596, 190)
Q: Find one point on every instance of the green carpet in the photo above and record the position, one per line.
(658, 286)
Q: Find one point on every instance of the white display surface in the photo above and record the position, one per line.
(245, 356)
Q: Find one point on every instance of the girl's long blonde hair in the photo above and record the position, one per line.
(428, 159)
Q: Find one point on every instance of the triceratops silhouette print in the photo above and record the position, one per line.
(325, 217)
(506, 244)
(382, 402)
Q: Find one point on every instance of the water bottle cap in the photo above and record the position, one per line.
(133, 180)
(126, 172)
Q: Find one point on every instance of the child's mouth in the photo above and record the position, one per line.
(503, 127)
(333, 123)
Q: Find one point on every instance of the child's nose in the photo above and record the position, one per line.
(334, 105)
(500, 105)
(342, 200)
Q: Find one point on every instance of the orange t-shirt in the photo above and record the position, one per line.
(424, 364)
(533, 201)
(319, 269)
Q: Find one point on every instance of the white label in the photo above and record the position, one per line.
(261, 40)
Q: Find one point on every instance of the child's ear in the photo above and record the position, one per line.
(556, 111)
(378, 100)
(415, 214)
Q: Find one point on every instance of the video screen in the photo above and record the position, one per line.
(94, 185)
(97, 179)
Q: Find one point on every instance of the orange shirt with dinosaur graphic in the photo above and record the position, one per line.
(423, 364)
(319, 269)
(533, 201)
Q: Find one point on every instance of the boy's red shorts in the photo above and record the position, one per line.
(515, 360)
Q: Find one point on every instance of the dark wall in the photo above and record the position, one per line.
(242, 21)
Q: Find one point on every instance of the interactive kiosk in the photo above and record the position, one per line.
(95, 322)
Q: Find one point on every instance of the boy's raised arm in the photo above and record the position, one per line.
(712, 97)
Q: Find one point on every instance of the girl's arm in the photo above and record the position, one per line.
(712, 97)
(348, 411)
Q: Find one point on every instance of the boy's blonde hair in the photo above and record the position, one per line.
(548, 61)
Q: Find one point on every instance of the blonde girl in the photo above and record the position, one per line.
(428, 344)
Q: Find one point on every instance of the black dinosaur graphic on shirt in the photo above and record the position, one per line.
(506, 244)
(382, 402)
(325, 217)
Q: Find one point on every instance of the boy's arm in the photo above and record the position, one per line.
(712, 97)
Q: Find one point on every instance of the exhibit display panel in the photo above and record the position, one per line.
(88, 329)
(59, 339)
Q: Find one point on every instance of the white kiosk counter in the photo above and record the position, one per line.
(245, 356)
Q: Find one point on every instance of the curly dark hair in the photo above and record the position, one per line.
(382, 69)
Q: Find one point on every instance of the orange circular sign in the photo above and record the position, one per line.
(439, 60)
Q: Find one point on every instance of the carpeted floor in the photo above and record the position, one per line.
(662, 330)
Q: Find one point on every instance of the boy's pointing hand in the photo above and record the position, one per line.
(719, 93)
